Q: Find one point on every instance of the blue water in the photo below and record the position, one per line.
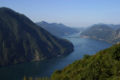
(44, 68)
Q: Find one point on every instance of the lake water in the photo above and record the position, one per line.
(82, 46)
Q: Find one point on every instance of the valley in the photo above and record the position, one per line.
(47, 67)
(59, 40)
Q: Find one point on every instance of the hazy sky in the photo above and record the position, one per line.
(76, 13)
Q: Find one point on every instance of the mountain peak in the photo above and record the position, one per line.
(44, 22)
(5, 9)
(23, 41)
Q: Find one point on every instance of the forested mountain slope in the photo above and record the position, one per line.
(21, 40)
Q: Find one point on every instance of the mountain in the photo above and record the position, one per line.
(114, 26)
(57, 29)
(102, 32)
(104, 65)
(21, 40)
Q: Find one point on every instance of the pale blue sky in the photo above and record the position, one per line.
(76, 13)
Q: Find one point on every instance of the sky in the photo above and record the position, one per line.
(74, 13)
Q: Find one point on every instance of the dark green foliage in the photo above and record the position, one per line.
(104, 65)
(31, 78)
(21, 40)
(86, 56)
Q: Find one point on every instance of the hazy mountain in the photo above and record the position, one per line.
(104, 65)
(21, 40)
(114, 26)
(57, 29)
(102, 32)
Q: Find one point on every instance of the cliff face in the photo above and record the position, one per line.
(21, 40)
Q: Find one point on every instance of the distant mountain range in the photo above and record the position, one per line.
(108, 33)
(57, 29)
(114, 26)
(21, 40)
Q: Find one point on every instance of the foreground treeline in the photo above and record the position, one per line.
(104, 65)
(31, 78)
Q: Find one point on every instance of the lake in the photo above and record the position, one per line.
(44, 68)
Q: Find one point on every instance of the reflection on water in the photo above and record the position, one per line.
(47, 67)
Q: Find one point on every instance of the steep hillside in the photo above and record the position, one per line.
(104, 65)
(21, 40)
(57, 29)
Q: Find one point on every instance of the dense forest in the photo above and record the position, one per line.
(104, 65)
